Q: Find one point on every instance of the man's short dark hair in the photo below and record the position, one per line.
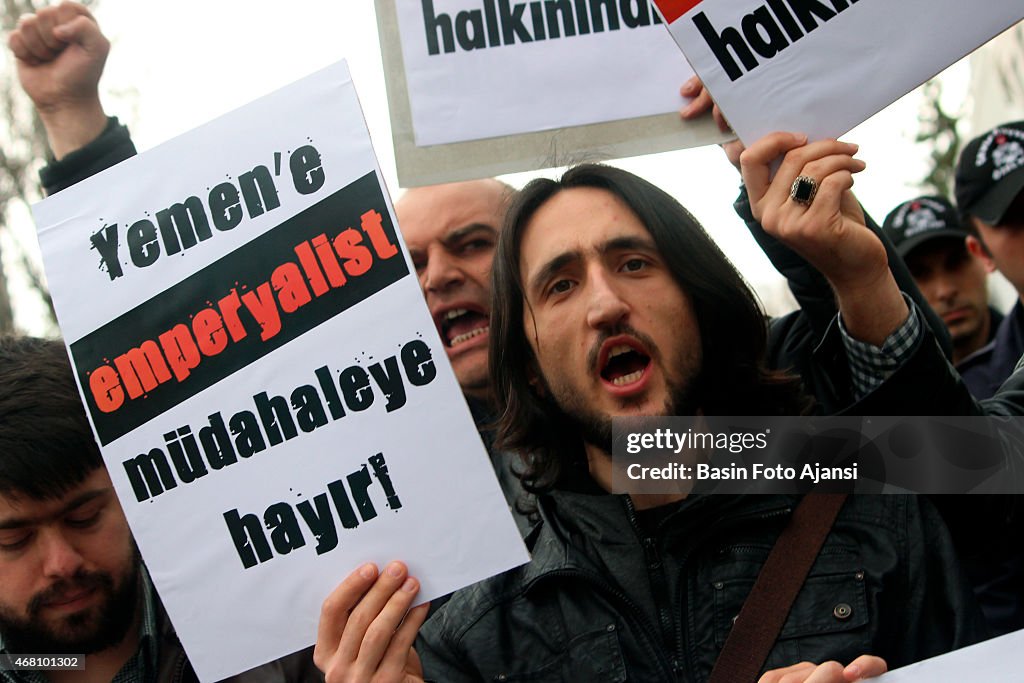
(46, 445)
(734, 378)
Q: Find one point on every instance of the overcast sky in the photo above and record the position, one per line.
(185, 62)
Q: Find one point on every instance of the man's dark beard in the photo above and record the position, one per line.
(596, 428)
(117, 612)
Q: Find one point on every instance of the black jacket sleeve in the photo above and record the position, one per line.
(113, 146)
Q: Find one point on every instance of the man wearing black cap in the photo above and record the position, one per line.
(990, 197)
(950, 266)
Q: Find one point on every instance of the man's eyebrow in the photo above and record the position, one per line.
(78, 501)
(456, 236)
(548, 270)
(628, 243)
(624, 243)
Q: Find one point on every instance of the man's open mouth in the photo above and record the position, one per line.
(624, 364)
(459, 325)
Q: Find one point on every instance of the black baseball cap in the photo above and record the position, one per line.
(920, 220)
(990, 173)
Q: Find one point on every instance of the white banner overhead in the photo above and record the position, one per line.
(486, 68)
(261, 371)
(477, 88)
(821, 67)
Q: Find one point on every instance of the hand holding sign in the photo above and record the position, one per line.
(864, 667)
(367, 630)
(828, 229)
(699, 104)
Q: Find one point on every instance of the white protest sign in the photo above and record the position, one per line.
(821, 67)
(271, 396)
(998, 659)
(480, 69)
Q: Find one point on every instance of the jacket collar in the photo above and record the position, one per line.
(576, 525)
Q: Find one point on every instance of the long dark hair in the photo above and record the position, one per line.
(734, 378)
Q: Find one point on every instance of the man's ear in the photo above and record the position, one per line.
(977, 249)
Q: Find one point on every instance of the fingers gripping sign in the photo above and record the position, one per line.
(860, 669)
(700, 99)
(367, 628)
(700, 102)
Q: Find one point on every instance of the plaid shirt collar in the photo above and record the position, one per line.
(141, 667)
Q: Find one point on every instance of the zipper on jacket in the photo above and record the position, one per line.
(710, 530)
(671, 627)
